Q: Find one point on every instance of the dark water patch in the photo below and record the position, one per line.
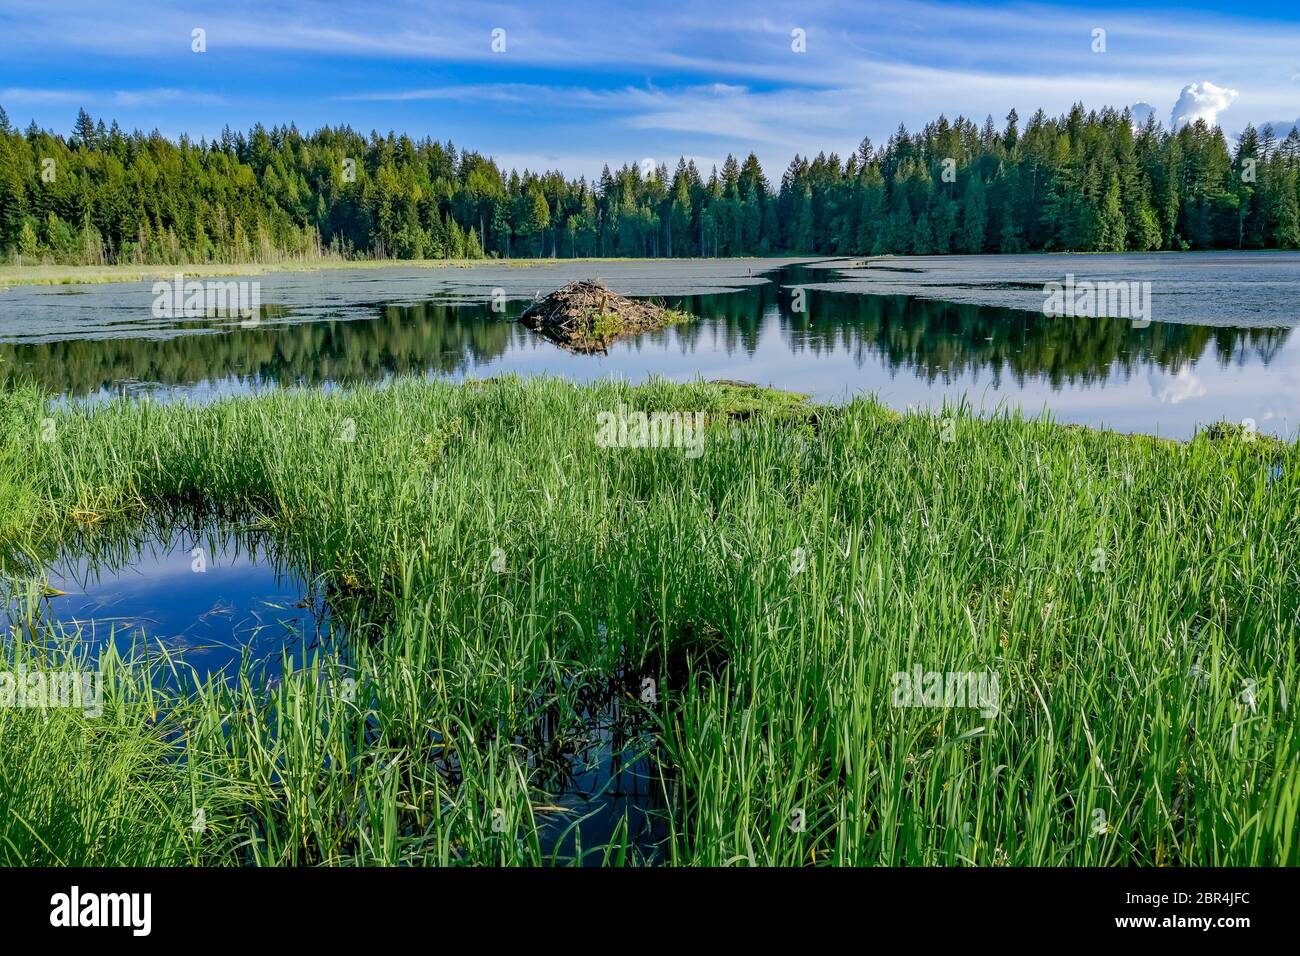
(603, 789)
(209, 597)
(592, 754)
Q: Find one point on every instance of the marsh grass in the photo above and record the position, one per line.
(1137, 599)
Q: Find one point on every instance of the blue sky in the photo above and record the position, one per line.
(580, 84)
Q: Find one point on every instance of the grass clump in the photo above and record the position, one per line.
(604, 325)
(1136, 600)
(23, 422)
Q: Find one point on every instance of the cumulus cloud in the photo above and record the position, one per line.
(1201, 101)
(1141, 113)
(1281, 127)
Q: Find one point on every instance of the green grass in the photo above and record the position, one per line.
(677, 317)
(603, 325)
(1126, 591)
(21, 420)
(607, 326)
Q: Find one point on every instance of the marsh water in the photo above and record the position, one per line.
(212, 601)
(605, 787)
(914, 332)
(204, 597)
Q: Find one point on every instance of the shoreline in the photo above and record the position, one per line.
(15, 276)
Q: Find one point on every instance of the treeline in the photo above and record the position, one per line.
(1086, 181)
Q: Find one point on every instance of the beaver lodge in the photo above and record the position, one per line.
(586, 317)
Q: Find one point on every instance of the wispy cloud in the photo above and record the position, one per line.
(493, 92)
(158, 96)
(103, 98)
(29, 95)
(654, 79)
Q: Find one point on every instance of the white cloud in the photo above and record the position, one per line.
(1141, 113)
(1201, 101)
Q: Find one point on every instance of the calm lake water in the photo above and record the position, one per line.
(913, 331)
